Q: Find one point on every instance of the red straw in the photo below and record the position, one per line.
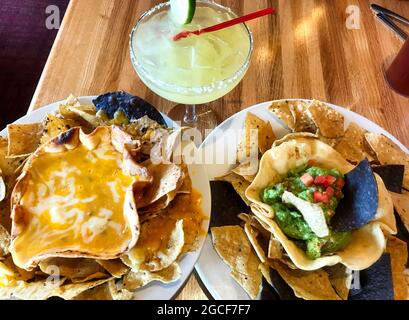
(225, 24)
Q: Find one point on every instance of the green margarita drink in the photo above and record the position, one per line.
(196, 69)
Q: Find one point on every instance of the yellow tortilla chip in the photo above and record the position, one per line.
(329, 122)
(275, 249)
(265, 271)
(54, 125)
(134, 280)
(63, 108)
(87, 113)
(23, 138)
(166, 179)
(115, 267)
(8, 275)
(294, 114)
(118, 293)
(294, 135)
(258, 210)
(105, 291)
(340, 278)
(287, 261)
(101, 292)
(308, 285)
(258, 135)
(252, 237)
(247, 170)
(266, 135)
(252, 220)
(24, 274)
(388, 152)
(42, 290)
(282, 110)
(94, 276)
(155, 208)
(351, 146)
(4, 241)
(329, 141)
(145, 256)
(252, 287)
(72, 101)
(17, 273)
(10, 171)
(401, 205)
(399, 256)
(76, 269)
(186, 187)
(10, 166)
(303, 122)
(239, 184)
(235, 249)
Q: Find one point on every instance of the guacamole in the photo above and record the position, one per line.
(316, 185)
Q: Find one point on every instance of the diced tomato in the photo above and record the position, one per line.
(340, 183)
(330, 191)
(307, 179)
(321, 197)
(320, 180)
(326, 181)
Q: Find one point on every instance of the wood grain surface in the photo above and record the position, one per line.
(305, 51)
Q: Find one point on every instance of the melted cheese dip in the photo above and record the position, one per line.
(74, 200)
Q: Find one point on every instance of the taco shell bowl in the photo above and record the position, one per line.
(367, 243)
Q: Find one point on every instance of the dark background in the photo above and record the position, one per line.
(25, 43)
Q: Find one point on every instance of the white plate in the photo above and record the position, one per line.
(214, 273)
(155, 290)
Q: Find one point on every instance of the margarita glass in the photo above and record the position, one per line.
(194, 70)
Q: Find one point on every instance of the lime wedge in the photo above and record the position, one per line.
(182, 11)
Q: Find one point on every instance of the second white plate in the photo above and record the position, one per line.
(222, 143)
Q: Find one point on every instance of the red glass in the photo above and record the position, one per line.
(397, 74)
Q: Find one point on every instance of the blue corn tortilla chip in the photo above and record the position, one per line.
(360, 201)
(268, 292)
(375, 282)
(356, 287)
(403, 233)
(392, 176)
(280, 289)
(133, 107)
(226, 205)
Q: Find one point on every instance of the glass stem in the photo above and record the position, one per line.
(190, 117)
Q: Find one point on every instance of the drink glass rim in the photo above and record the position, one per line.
(184, 89)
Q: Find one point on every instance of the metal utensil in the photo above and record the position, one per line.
(385, 15)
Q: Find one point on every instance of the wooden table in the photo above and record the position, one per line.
(306, 51)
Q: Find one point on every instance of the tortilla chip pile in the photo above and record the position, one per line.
(160, 219)
(256, 257)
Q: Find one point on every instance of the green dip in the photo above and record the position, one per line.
(315, 185)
